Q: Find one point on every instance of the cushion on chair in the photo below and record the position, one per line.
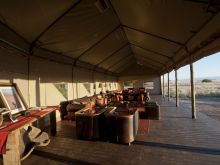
(74, 107)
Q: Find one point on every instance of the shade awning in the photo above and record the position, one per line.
(114, 35)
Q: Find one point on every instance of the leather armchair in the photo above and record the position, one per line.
(63, 110)
(121, 125)
(89, 125)
(152, 110)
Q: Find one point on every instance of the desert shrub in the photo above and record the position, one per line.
(211, 94)
(206, 81)
(62, 88)
(128, 83)
(211, 89)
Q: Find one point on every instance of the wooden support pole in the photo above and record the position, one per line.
(53, 123)
(12, 156)
(168, 85)
(94, 88)
(72, 76)
(177, 93)
(163, 87)
(94, 83)
(38, 92)
(77, 92)
(192, 91)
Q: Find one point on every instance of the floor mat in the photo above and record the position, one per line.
(143, 127)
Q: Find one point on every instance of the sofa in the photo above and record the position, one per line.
(68, 108)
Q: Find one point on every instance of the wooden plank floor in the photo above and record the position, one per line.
(175, 139)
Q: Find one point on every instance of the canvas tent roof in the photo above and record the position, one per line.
(114, 36)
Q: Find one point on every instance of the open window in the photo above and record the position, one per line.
(128, 84)
(11, 98)
(148, 85)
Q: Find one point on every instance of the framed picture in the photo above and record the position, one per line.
(11, 98)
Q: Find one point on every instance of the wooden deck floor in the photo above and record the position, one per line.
(175, 139)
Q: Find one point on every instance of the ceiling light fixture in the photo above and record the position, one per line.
(102, 5)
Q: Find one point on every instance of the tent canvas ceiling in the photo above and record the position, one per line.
(157, 35)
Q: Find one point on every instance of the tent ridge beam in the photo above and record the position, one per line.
(121, 61)
(13, 31)
(154, 35)
(99, 41)
(121, 25)
(149, 50)
(157, 36)
(118, 61)
(58, 54)
(112, 54)
(151, 66)
(152, 51)
(126, 61)
(147, 62)
(120, 68)
(34, 42)
(14, 46)
(160, 54)
(151, 59)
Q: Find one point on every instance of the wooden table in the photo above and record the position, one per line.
(12, 155)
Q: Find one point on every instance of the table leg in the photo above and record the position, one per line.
(53, 123)
(12, 155)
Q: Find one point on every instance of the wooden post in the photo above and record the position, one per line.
(73, 80)
(53, 123)
(94, 84)
(94, 88)
(163, 87)
(168, 86)
(77, 94)
(12, 155)
(38, 94)
(177, 93)
(192, 91)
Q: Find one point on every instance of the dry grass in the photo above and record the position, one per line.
(211, 89)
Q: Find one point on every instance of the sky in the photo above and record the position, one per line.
(204, 68)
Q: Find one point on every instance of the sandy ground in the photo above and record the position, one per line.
(208, 106)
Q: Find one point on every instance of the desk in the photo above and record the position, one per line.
(12, 155)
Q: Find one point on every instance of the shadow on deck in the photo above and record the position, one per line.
(175, 139)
